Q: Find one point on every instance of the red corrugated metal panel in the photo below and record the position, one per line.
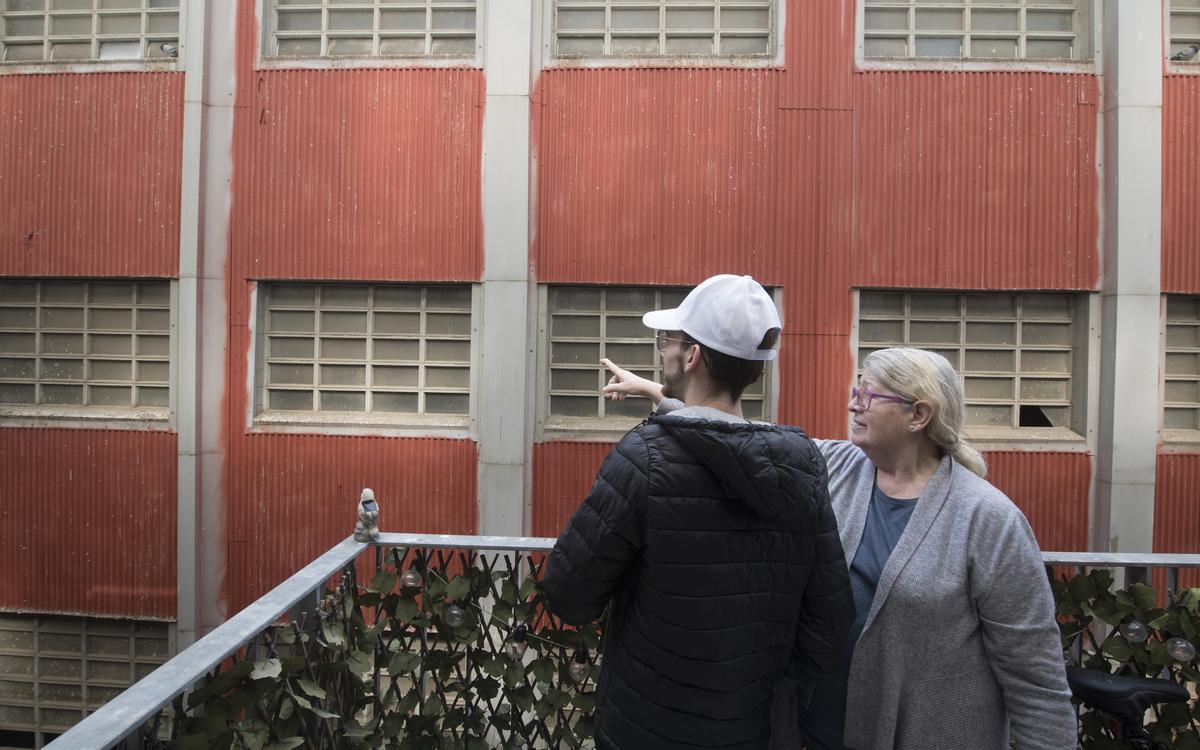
(90, 175)
(1177, 503)
(1051, 489)
(815, 373)
(815, 199)
(976, 180)
(562, 475)
(291, 497)
(1181, 198)
(1177, 510)
(358, 174)
(656, 176)
(819, 55)
(87, 522)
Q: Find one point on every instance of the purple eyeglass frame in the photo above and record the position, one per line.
(857, 392)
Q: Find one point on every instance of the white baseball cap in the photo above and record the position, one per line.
(729, 314)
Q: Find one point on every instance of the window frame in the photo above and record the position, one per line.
(163, 64)
(263, 61)
(550, 428)
(378, 424)
(1089, 64)
(1175, 438)
(1085, 364)
(138, 418)
(775, 59)
(1185, 67)
(50, 627)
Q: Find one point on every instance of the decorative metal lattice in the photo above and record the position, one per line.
(442, 648)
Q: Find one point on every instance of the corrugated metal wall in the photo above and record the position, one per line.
(1050, 488)
(1181, 198)
(87, 522)
(1177, 507)
(369, 175)
(819, 179)
(90, 174)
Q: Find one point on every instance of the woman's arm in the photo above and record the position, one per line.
(1016, 611)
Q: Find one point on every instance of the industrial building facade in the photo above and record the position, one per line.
(258, 254)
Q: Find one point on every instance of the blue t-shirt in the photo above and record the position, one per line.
(822, 722)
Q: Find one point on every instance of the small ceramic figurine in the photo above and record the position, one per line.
(367, 528)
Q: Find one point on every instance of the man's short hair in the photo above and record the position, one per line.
(733, 373)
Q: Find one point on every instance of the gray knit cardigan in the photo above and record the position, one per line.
(960, 644)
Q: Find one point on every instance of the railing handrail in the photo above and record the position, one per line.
(113, 722)
(1123, 559)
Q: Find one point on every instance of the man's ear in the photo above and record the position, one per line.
(692, 358)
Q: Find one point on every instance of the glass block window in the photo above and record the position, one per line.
(1181, 391)
(56, 670)
(78, 30)
(1185, 31)
(587, 323)
(85, 343)
(978, 29)
(1017, 353)
(370, 28)
(668, 28)
(359, 349)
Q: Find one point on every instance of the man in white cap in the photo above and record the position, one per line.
(712, 539)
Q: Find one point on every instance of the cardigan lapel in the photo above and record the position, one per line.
(929, 505)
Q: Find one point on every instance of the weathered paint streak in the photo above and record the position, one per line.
(87, 522)
(1181, 199)
(90, 175)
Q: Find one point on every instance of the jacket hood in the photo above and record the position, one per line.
(762, 464)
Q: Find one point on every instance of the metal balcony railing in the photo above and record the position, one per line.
(431, 635)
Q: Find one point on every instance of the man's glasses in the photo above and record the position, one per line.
(661, 339)
(863, 396)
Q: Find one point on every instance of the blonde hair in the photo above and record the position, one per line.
(922, 375)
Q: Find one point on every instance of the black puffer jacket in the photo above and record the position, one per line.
(717, 547)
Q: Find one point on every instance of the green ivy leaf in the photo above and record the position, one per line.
(458, 589)
(486, 688)
(1116, 648)
(383, 582)
(1146, 597)
(335, 634)
(405, 661)
(1082, 588)
(360, 662)
(266, 669)
(286, 744)
(542, 669)
(1165, 621)
(1186, 628)
(406, 610)
(528, 586)
(311, 688)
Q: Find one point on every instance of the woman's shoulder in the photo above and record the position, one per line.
(839, 452)
(986, 502)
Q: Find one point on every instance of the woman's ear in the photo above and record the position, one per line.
(922, 415)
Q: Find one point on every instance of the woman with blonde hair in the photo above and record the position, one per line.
(955, 644)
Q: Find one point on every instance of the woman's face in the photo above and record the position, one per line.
(879, 422)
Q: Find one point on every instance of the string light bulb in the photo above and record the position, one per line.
(579, 668)
(516, 646)
(1181, 649)
(410, 579)
(455, 616)
(1134, 631)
